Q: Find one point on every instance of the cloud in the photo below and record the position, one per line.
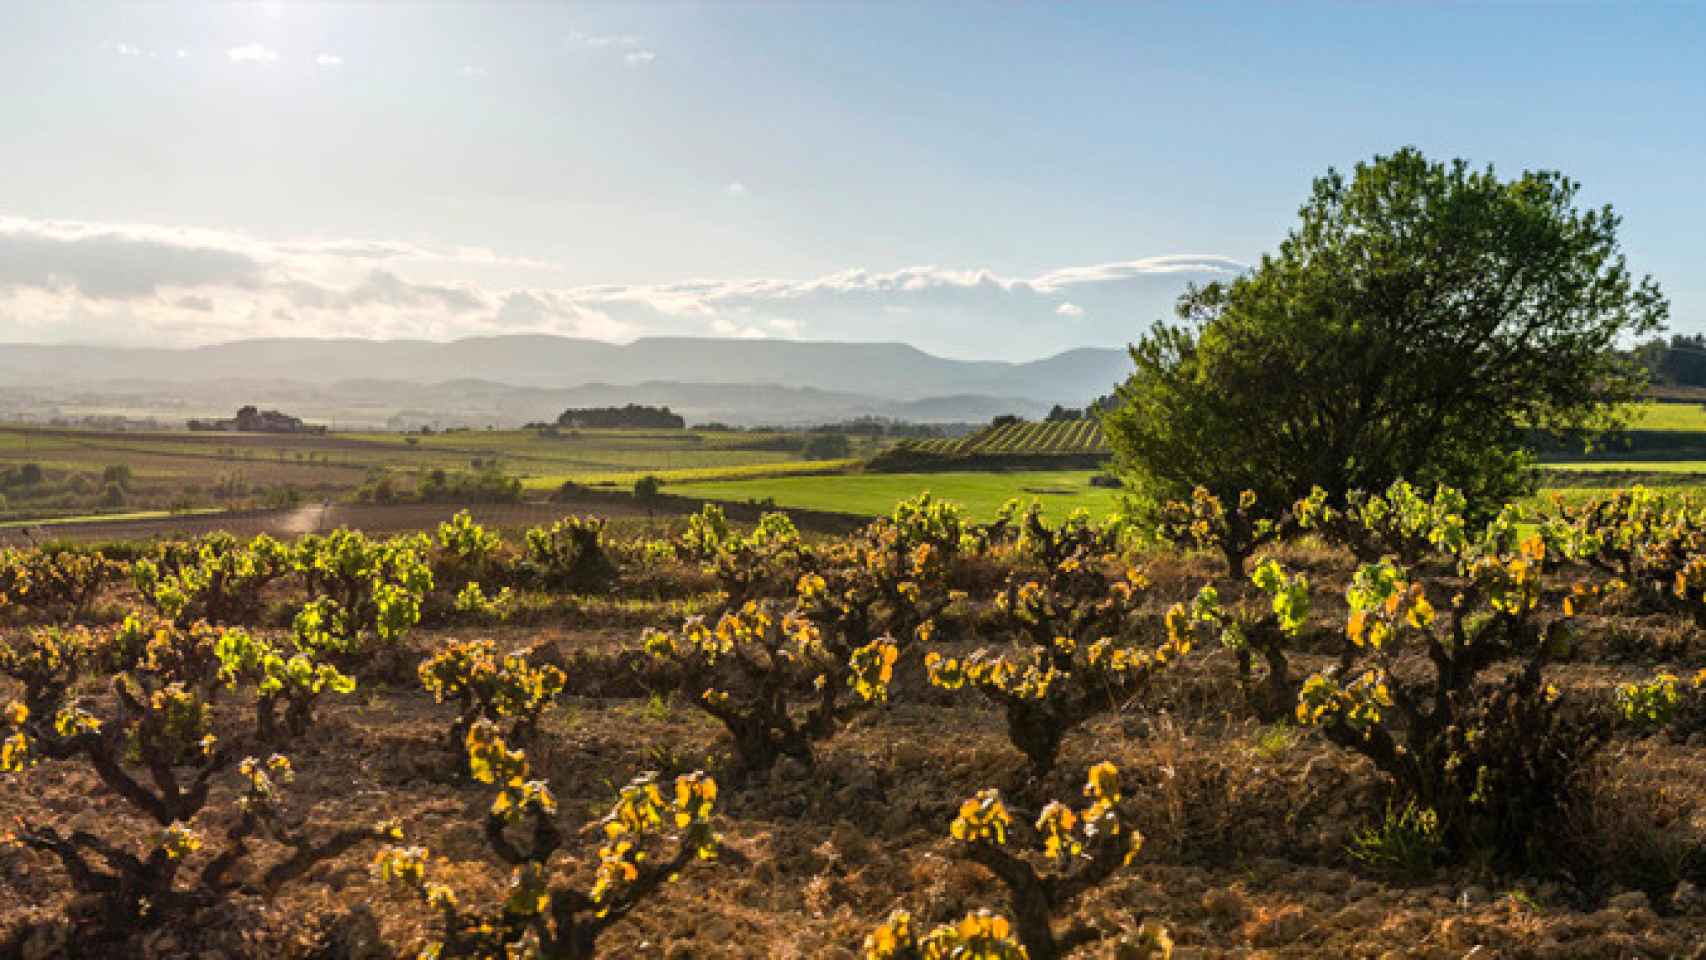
(601, 41)
(329, 60)
(140, 283)
(470, 71)
(736, 189)
(111, 264)
(252, 53)
(181, 53)
(635, 53)
(126, 50)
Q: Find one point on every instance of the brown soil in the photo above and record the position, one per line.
(1245, 853)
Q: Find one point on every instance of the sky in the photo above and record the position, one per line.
(986, 181)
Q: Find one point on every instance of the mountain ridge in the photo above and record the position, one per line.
(500, 378)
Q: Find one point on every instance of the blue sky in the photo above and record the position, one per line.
(984, 180)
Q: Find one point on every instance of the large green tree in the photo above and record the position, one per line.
(1421, 321)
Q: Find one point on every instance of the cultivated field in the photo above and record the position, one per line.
(190, 470)
(981, 493)
(183, 473)
(1265, 829)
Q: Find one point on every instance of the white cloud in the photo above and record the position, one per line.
(252, 53)
(736, 189)
(638, 58)
(91, 282)
(181, 53)
(329, 60)
(470, 71)
(127, 50)
(600, 41)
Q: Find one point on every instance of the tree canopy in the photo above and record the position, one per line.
(1421, 321)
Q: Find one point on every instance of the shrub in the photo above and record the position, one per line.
(748, 669)
(541, 916)
(827, 446)
(980, 935)
(569, 554)
(1400, 523)
(46, 662)
(465, 553)
(487, 687)
(647, 487)
(364, 590)
(1496, 766)
(763, 563)
(142, 753)
(926, 520)
(1072, 658)
(1206, 523)
(60, 583)
(1259, 625)
(295, 674)
(215, 578)
(1080, 849)
(484, 484)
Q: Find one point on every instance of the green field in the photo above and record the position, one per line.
(180, 469)
(981, 493)
(1629, 466)
(1689, 417)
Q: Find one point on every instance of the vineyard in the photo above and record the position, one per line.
(1025, 438)
(1353, 728)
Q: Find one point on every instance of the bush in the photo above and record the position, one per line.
(541, 915)
(1274, 612)
(827, 446)
(1081, 849)
(58, 583)
(1071, 658)
(1401, 523)
(1497, 766)
(776, 682)
(216, 578)
(487, 687)
(569, 554)
(647, 487)
(157, 752)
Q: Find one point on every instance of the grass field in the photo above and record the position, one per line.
(184, 470)
(980, 493)
(1670, 416)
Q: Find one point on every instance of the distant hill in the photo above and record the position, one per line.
(889, 372)
(515, 379)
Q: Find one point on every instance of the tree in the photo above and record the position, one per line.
(828, 446)
(1423, 320)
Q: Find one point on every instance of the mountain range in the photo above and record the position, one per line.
(511, 379)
